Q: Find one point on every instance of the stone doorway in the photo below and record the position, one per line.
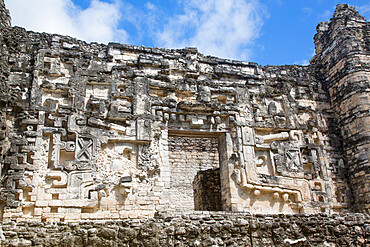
(207, 190)
(195, 171)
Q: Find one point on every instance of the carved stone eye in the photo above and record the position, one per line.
(70, 146)
(261, 160)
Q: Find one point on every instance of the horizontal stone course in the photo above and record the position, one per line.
(196, 229)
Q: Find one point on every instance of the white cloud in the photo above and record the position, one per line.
(364, 9)
(305, 62)
(150, 6)
(307, 10)
(99, 22)
(326, 15)
(216, 27)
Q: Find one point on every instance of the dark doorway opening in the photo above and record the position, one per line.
(207, 190)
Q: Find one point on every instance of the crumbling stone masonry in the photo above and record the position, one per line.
(197, 229)
(342, 63)
(94, 131)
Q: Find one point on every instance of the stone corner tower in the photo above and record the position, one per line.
(342, 62)
(5, 20)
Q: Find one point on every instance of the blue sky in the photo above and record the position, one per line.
(274, 32)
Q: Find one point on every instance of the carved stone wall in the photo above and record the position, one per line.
(94, 131)
(343, 61)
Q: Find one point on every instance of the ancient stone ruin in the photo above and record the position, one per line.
(94, 131)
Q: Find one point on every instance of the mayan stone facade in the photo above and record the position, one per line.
(94, 131)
